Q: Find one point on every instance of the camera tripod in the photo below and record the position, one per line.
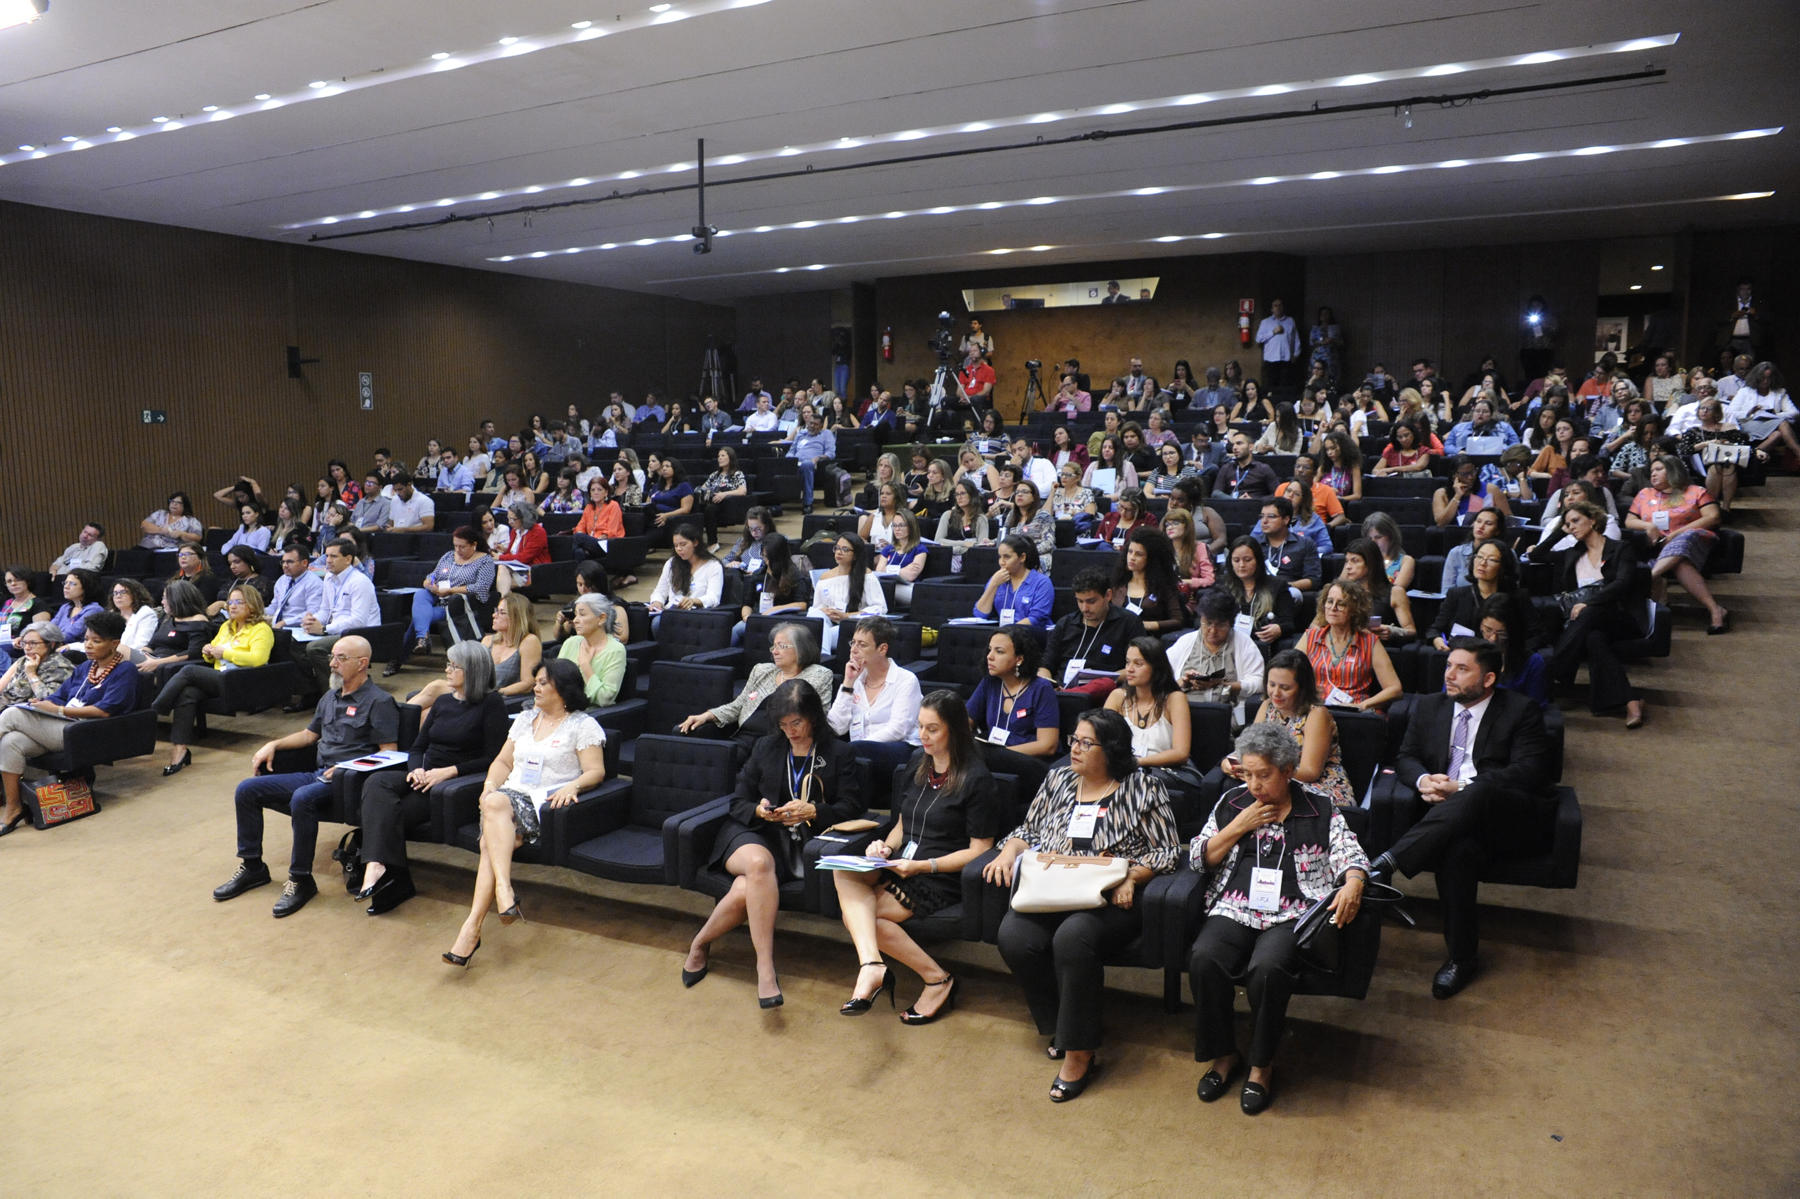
(1034, 391)
(713, 380)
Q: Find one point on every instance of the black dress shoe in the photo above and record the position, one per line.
(1452, 977)
(1063, 1089)
(187, 759)
(294, 894)
(391, 669)
(1255, 1099)
(247, 878)
(394, 889)
(1213, 1085)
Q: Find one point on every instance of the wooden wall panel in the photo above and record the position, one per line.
(101, 318)
(783, 337)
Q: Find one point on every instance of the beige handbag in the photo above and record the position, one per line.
(1057, 882)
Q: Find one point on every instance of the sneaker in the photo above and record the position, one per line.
(247, 878)
(294, 894)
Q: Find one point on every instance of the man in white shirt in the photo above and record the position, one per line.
(410, 511)
(1039, 471)
(877, 708)
(87, 553)
(347, 602)
(763, 420)
(297, 592)
(1139, 386)
(1728, 386)
(1280, 342)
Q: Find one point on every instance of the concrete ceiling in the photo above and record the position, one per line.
(390, 127)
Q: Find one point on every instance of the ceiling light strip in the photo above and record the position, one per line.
(439, 62)
(1667, 143)
(839, 145)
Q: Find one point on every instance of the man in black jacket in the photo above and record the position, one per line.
(1091, 638)
(1479, 759)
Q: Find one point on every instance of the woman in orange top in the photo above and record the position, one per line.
(1345, 655)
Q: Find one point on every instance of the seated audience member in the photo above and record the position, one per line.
(746, 553)
(527, 545)
(1399, 565)
(1145, 583)
(297, 591)
(244, 640)
(1070, 501)
(1308, 493)
(351, 720)
(453, 475)
(1763, 409)
(1244, 477)
(1594, 590)
(1390, 614)
(965, 525)
(670, 496)
(725, 483)
(1306, 524)
(39, 669)
(877, 707)
(347, 601)
(131, 599)
(107, 686)
(1219, 662)
(1342, 469)
(691, 578)
(1404, 455)
(1505, 624)
(243, 568)
(1193, 563)
(88, 552)
(465, 571)
(1014, 709)
(793, 654)
(1487, 525)
(1026, 515)
(81, 600)
(784, 585)
(553, 752)
(1461, 498)
(1352, 665)
(1252, 405)
(1129, 514)
(1262, 599)
(409, 509)
(809, 446)
(1283, 435)
(371, 512)
(348, 489)
(1017, 593)
(1493, 570)
(595, 651)
(173, 525)
(1099, 804)
(1156, 714)
(1090, 640)
(180, 633)
(601, 520)
(1291, 559)
(944, 818)
(1478, 757)
(798, 781)
(190, 566)
(1110, 473)
(1484, 432)
(1292, 701)
(851, 588)
(1248, 933)
(1712, 436)
(459, 735)
(565, 497)
(876, 526)
(250, 533)
(1679, 518)
(903, 556)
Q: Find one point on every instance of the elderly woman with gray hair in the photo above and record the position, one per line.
(1273, 849)
(527, 545)
(793, 654)
(459, 736)
(599, 655)
(39, 669)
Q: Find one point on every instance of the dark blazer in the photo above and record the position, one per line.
(765, 776)
(1462, 606)
(1512, 752)
(1618, 573)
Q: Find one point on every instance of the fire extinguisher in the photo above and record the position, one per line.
(1245, 309)
(887, 345)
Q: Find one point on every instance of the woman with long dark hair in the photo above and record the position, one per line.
(1256, 592)
(850, 588)
(1146, 584)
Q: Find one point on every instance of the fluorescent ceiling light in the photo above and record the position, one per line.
(850, 142)
(21, 12)
(1265, 180)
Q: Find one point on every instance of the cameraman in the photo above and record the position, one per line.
(977, 341)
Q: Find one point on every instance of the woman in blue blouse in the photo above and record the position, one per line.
(251, 532)
(81, 599)
(467, 571)
(1018, 593)
(1014, 709)
(671, 495)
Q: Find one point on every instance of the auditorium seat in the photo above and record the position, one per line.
(631, 835)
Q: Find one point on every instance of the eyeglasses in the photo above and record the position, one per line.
(1083, 743)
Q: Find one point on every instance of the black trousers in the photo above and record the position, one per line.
(1277, 374)
(1269, 964)
(1059, 959)
(1591, 636)
(390, 806)
(1030, 771)
(1456, 838)
(182, 695)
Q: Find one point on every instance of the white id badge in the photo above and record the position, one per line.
(1006, 615)
(996, 736)
(1265, 889)
(1075, 667)
(767, 604)
(1081, 824)
(1244, 624)
(531, 771)
(1133, 607)
(912, 847)
(1339, 696)
(1660, 520)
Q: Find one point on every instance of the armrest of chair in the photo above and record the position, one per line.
(821, 895)
(732, 657)
(259, 688)
(622, 721)
(347, 791)
(1391, 804)
(111, 738)
(1565, 848)
(694, 838)
(453, 804)
(294, 761)
(973, 887)
(1172, 904)
(595, 812)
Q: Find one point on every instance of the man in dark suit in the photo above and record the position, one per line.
(1479, 759)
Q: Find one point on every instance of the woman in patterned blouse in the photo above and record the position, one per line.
(1271, 828)
(1099, 804)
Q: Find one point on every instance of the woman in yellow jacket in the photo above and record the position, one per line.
(245, 639)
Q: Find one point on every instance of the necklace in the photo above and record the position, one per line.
(1336, 654)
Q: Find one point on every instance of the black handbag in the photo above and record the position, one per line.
(1320, 942)
(348, 854)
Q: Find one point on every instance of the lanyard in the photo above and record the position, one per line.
(1087, 643)
(797, 772)
(1262, 835)
(1003, 708)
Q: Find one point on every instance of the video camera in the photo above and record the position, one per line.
(943, 342)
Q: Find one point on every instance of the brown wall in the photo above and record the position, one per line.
(1770, 259)
(783, 337)
(1193, 316)
(101, 318)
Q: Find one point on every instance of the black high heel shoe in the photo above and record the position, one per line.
(369, 890)
(512, 914)
(461, 959)
(772, 1001)
(15, 822)
(187, 759)
(1065, 1089)
(857, 1007)
(912, 1016)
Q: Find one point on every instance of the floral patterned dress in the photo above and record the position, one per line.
(1333, 781)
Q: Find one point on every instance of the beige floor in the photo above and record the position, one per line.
(1633, 1037)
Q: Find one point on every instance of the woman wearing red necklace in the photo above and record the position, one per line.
(108, 687)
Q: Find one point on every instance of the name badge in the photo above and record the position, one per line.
(1133, 607)
(1661, 520)
(531, 772)
(350, 711)
(1081, 824)
(1337, 695)
(766, 604)
(1075, 667)
(1006, 615)
(996, 736)
(1244, 624)
(1265, 889)
(912, 847)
